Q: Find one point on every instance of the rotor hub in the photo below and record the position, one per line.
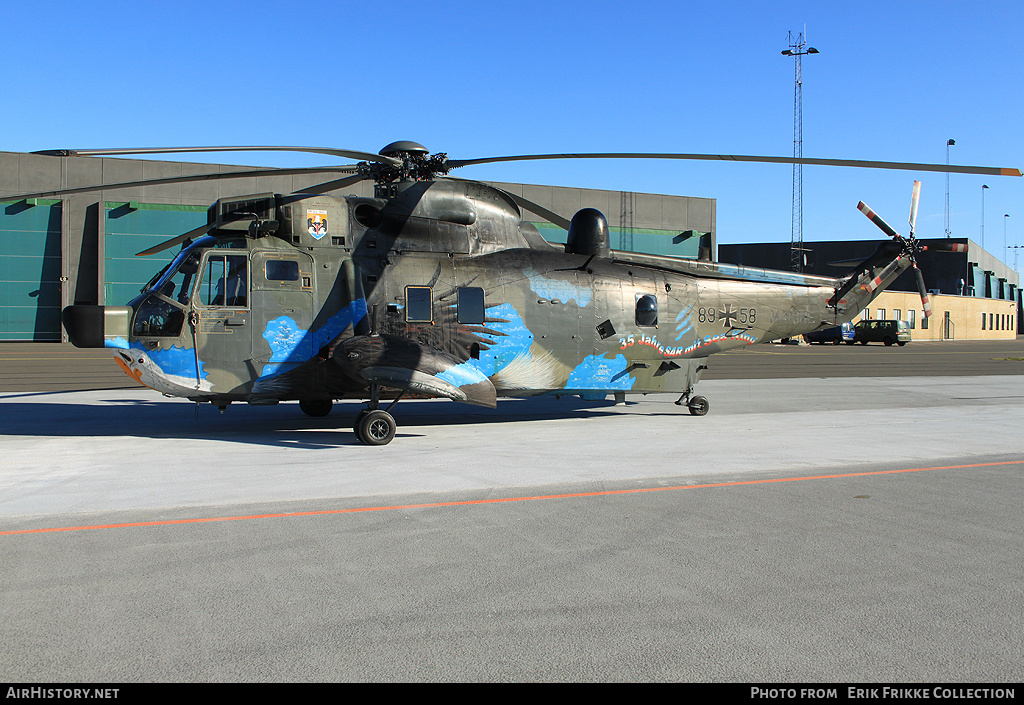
(417, 164)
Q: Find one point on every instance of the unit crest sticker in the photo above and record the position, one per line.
(316, 221)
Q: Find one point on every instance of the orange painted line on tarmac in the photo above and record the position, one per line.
(462, 503)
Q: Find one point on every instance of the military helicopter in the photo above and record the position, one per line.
(439, 287)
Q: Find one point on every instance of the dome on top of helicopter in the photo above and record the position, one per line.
(403, 146)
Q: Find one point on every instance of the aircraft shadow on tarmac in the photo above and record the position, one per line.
(282, 425)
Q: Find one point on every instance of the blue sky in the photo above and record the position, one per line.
(894, 80)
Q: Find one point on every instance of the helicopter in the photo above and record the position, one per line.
(439, 287)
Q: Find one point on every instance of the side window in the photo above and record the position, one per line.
(418, 306)
(225, 281)
(646, 310)
(471, 305)
(282, 270)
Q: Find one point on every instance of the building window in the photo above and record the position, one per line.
(896, 314)
(991, 316)
(865, 315)
(911, 318)
(471, 305)
(418, 307)
(881, 314)
(983, 321)
(924, 321)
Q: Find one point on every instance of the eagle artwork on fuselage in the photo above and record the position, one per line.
(440, 287)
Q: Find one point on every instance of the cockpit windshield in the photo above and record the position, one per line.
(175, 282)
(160, 311)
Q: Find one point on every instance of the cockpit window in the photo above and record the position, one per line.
(178, 286)
(181, 271)
(158, 318)
(161, 312)
(225, 281)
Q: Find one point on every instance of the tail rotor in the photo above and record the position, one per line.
(909, 244)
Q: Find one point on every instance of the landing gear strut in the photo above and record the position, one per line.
(697, 405)
(375, 426)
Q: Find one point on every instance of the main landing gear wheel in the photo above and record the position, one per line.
(698, 405)
(376, 427)
(316, 407)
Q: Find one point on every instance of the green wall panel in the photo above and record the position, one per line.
(131, 231)
(30, 270)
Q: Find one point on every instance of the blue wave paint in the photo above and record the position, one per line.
(599, 372)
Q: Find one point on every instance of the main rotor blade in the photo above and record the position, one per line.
(994, 171)
(185, 179)
(525, 204)
(346, 153)
(540, 210)
(168, 244)
(334, 185)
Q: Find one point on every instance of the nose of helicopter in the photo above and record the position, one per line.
(91, 326)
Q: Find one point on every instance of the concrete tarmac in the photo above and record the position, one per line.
(819, 529)
(57, 367)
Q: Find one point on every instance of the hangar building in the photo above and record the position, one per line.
(80, 248)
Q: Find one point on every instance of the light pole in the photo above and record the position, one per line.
(796, 248)
(983, 189)
(949, 143)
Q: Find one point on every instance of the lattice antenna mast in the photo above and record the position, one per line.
(797, 51)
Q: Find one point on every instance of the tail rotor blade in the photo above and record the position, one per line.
(877, 220)
(946, 247)
(913, 205)
(926, 303)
